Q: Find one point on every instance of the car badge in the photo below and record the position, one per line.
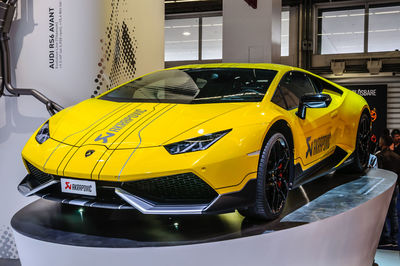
(89, 152)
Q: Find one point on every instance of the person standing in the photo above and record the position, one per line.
(396, 140)
(389, 160)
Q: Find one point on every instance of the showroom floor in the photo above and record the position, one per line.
(387, 257)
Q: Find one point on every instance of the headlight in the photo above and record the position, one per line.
(43, 134)
(196, 144)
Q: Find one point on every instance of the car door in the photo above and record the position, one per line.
(312, 135)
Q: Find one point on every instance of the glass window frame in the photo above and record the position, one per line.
(195, 45)
(319, 25)
(200, 16)
(343, 6)
(287, 9)
(203, 47)
(377, 5)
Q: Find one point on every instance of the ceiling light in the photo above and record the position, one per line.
(186, 33)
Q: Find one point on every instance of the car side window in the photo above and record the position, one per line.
(293, 86)
(278, 99)
(321, 85)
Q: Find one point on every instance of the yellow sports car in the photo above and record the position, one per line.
(199, 139)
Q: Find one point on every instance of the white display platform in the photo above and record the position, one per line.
(345, 238)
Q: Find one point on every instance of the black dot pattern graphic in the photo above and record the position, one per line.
(118, 47)
(8, 248)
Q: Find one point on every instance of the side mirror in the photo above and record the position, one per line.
(312, 101)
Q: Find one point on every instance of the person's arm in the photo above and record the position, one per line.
(380, 160)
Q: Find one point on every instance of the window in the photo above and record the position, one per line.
(182, 39)
(285, 33)
(341, 30)
(193, 39)
(278, 99)
(294, 85)
(384, 28)
(359, 29)
(321, 85)
(212, 38)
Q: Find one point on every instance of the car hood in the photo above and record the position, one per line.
(119, 125)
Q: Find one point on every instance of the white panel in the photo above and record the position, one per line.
(394, 95)
(70, 49)
(251, 35)
(393, 99)
(393, 107)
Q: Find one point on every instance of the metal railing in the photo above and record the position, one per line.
(7, 11)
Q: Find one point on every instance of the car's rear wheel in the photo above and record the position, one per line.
(272, 179)
(361, 152)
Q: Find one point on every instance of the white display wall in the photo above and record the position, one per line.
(69, 50)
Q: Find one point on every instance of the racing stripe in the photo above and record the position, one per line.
(140, 140)
(90, 136)
(94, 123)
(111, 115)
(105, 152)
(149, 120)
(105, 127)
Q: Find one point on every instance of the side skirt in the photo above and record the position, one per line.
(322, 168)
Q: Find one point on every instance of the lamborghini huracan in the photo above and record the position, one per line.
(199, 139)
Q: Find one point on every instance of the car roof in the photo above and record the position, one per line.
(276, 67)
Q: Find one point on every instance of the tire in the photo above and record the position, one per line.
(361, 152)
(273, 179)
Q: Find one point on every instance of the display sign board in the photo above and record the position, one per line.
(71, 50)
(376, 96)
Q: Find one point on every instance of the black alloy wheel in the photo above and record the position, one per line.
(277, 183)
(273, 179)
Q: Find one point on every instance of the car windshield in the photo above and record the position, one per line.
(196, 85)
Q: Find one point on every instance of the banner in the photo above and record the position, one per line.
(71, 50)
(376, 96)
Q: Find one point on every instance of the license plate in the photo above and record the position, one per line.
(76, 186)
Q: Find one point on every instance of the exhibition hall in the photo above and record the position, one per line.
(199, 132)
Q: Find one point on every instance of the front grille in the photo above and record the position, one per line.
(175, 189)
(181, 188)
(39, 176)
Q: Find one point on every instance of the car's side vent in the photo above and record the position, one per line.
(39, 176)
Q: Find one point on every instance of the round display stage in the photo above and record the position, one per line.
(334, 220)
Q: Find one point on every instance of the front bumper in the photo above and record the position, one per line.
(173, 195)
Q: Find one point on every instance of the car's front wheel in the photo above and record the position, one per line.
(273, 179)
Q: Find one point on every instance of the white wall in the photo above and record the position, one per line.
(81, 36)
(251, 35)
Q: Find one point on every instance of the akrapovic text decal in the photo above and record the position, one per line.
(317, 145)
(120, 125)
